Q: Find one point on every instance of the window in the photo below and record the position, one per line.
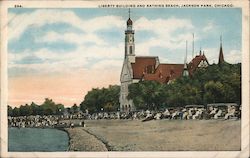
(150, 69)
(130, 49)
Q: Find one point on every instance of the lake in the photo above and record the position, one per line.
(37, 139)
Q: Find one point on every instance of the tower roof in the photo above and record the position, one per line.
(129, 22)
(221, 56)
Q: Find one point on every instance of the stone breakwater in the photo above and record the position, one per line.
(80, 140)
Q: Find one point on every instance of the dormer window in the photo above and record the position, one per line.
(150, 69)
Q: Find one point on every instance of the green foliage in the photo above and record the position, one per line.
(147, 94)
(104, 99)
(216, 83)
(49, 107)
(10, 111)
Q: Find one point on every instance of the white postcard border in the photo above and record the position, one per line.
(4, 5)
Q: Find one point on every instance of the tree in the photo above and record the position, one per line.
(10, 111)
(74, 109)
(104, 98)
(216, 83)
(16, 112)
(47, 108)
(147, 94)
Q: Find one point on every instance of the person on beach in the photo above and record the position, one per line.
(230, 112)
(218, 114)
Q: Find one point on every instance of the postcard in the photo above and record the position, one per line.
(124, 79)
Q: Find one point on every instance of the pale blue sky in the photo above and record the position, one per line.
(64, 53)
(207, 24)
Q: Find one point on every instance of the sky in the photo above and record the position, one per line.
(64, 53)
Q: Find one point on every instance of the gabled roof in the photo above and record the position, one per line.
(170, 71)
(140, 63)
(162, 73)
(195, 62)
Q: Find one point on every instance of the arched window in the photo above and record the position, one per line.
(129, 108)
(130, 49)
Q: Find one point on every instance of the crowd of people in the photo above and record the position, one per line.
(182, 113)
(33, 121)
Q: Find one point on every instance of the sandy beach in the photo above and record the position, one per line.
(156, 135)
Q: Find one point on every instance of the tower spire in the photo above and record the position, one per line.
(129, 21)
(193, 47)
(221, 40)
(185, 61)
(221, 56)
(129, 12)
(185, 70)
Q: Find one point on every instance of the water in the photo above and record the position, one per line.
(37, 139)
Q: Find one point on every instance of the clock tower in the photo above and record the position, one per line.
(130, 41)
(126, 78)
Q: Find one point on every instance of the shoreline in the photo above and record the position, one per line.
(134, 135)
(81, 140)
(109, 147)
(69, 138)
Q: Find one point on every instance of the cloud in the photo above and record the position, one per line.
(53, 62)
(41, 17)
(163, 29)
(210, 26)
(234, 56)
(100, 51)
(108, 64)
(75, 38)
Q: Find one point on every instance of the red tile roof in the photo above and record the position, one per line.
(193, 65)
(139, 67)
(162, 73)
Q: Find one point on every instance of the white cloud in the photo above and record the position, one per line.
(164, 34)
(76, 59)
(40, 17)
(76, 38)
(163, 29)
(210, 26)
(234, 56)
(80, 57)
(108, 65)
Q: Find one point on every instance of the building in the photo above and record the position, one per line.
(139, 68)
(221, 56)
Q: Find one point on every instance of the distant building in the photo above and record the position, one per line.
(221, 56)
(139, 68)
